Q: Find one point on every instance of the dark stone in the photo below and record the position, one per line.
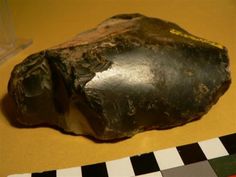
(130, 74)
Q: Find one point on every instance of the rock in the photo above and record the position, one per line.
(130, 74)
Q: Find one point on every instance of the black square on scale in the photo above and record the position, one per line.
(229, 142)
(96, 170)
(145, 163)
(45, 174)
(191, 153)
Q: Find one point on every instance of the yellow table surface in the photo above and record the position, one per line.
(49, 22)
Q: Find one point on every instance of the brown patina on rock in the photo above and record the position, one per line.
(130, 74)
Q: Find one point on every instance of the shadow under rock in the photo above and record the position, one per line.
(9, 110)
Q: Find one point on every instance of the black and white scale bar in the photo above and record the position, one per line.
(149, 163)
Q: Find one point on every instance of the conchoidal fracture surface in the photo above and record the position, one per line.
(129, 74)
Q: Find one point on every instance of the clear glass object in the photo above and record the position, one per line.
(10, 44)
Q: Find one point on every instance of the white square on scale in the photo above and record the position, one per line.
(168, 158)
(213, 148)
(120, 167)
(21, 175)
(70, 172)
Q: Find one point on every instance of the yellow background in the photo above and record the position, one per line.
(49, 22)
